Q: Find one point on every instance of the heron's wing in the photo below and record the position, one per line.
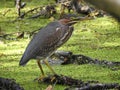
(51, 42)
(57, 38)
(45, 42)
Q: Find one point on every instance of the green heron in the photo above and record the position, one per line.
(46, 41)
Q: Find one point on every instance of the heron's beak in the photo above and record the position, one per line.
(76, 20)
(82, 18)
(71, 23)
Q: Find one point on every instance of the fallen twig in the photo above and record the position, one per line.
(76, 84)
(70, 58)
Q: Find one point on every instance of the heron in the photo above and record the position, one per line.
(46, 42)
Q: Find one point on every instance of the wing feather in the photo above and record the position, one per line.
(47, 40)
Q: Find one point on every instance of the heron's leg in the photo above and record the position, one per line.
(46, 62)
(39, 64)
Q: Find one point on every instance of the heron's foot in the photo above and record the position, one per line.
(53, 78)
(40, 78)
(48, 79)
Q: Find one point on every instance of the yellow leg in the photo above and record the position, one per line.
(39, 64)
(46, 62)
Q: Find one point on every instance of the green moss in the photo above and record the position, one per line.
(98, 38)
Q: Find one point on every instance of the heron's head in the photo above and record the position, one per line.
(70, 22)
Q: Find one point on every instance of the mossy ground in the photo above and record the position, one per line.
(98, 38)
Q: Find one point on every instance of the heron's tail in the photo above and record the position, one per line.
(24, 60)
